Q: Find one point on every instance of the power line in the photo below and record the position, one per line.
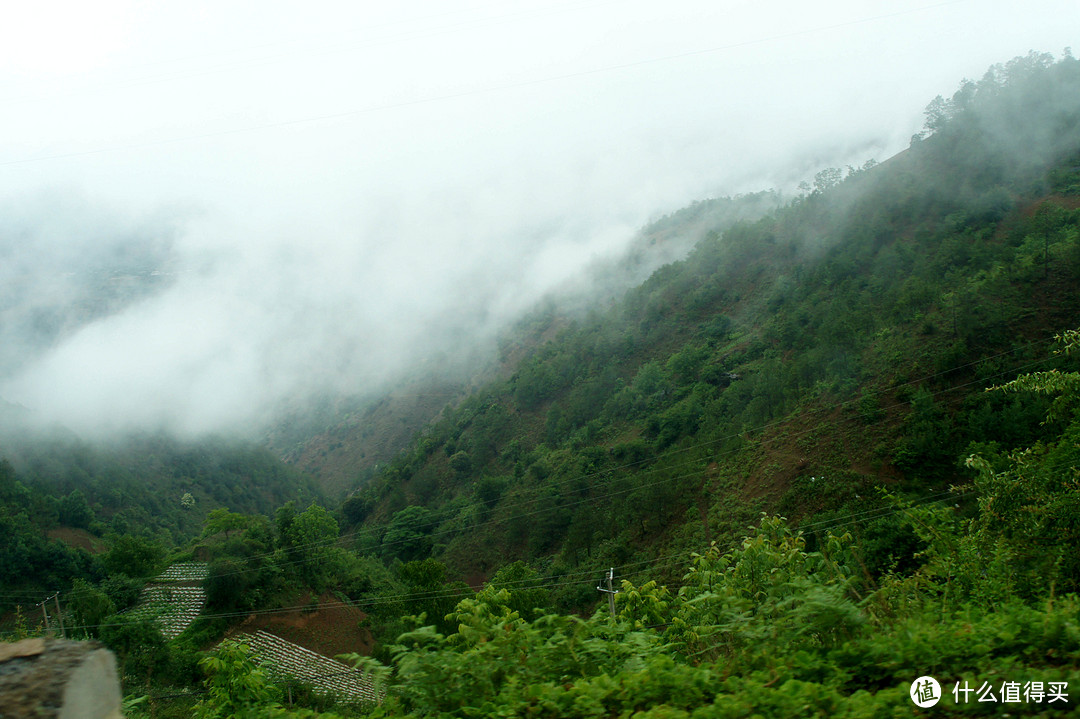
(529, 583)
(541, 582)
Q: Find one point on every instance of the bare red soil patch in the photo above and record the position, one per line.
(331, 629)
(78, 538)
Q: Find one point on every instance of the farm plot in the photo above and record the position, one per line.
(324, 675)
(184, 572)
(174, 598)
(173, 608)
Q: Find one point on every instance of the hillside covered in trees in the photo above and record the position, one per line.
(797, 363)
(830, 450)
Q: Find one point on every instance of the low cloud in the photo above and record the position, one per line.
(219, 217)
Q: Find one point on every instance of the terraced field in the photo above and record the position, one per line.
(184, 572)
(174, 598)
(324, 675)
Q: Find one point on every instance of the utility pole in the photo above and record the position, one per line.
(59, 616)
(610, 592)
(45, 614)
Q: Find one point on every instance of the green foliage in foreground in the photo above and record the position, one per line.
(237, 687)
(767, 629)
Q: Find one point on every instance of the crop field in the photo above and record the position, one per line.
(174, 608)
(174, 598)
(183, 572)
(324, 675)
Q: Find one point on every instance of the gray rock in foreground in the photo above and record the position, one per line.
(43, 678)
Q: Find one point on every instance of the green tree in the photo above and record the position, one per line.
(430, 594)
(517, 588)
(139, 645)
(221, 520)
(925, 444)
(284, 517)
(314, 528)
(408, 537)
(75, 511)
(236, 686)
(311, 537)
(122, 590)
(827, 179)
(768, 589)
(241, 585)
(133, 556)
(88, 606)
(356, 508)
(1029, 500)
(461, 463)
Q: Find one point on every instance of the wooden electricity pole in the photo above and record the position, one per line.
(59, 616)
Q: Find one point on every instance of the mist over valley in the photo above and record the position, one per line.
(228, 226)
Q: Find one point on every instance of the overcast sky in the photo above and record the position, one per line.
(347, 187)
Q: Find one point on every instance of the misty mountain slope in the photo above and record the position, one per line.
(60, 496)
(343, 440)
(351, 444)
(792, 363)
(139, 485)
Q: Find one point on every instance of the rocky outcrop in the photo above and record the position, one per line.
(46, 678)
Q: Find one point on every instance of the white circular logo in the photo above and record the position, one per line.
(925, 692)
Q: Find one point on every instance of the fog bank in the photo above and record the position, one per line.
(207, 212)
